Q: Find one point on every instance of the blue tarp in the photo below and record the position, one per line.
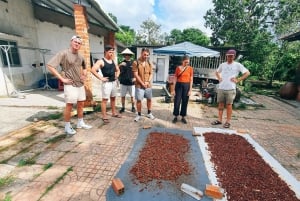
(187, 48)
(169, 191)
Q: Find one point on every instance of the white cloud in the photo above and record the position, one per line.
(170, 14)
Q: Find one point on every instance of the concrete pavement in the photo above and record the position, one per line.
(82, 167)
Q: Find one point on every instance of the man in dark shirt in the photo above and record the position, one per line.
(127, 79)
(110, 72)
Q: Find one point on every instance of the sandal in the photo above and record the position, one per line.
(226, 125)
(217, 122)
(105, 121)
(116, 116)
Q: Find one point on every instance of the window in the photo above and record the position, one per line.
(13, 54)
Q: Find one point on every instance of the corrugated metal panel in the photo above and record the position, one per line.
(96, 16)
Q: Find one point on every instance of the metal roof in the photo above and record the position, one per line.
(61, 12)
(187, 48)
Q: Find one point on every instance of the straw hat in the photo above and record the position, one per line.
(127, 52)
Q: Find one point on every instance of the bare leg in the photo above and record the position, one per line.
(123, 101)
(113, 105)
(220, 108)
(149, 104)
(103, 108)
(139, 106)
(67, 112)
(80, 106)
(132, 101)
(228, 112)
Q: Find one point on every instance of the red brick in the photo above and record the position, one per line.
(118, 186)
(214, 191)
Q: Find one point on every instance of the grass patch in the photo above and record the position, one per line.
(49, 188)
(240, 106)
(52, 108)
(27, 161)
(47, 166)
(7, 197)
(97, 108)
(54, 116)
(6, 180)
(56, 138)
(28, 138)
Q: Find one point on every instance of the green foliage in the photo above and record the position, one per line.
(26, 161)
(47, 166)
(287, 18)
(150, 33)
(113, 17)
(54, 116)
(52, 107)
(97, 108)
(56, 138)
(251, 26)
(193, 35)
(126, 35)
(49, 188)
(29, 138)
(6, 180)
(7, 197)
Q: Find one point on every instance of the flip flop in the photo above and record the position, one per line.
(117, 116)
(217, 122)
(105, 121)
(226, 125)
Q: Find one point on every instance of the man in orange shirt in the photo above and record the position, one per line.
(183, 82)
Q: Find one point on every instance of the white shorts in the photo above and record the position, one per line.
(127, 88)
(74, 94)
(109, 89)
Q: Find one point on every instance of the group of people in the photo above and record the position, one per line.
(135, 77)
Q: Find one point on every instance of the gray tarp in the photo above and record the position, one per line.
(187, 48)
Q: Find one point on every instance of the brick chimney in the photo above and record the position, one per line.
(110, 39)
(81, 28)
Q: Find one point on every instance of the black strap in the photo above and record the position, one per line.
(182, 71)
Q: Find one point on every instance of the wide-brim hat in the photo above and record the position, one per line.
(127, 52)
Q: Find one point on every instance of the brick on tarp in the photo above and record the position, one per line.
(214, 191)
(118, 186)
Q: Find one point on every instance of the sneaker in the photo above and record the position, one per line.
(70, 131)
(150, 116)
(83, 125)
(137, 118)
(183, 120)
(133, 109)
(122, 110)
(174, 120)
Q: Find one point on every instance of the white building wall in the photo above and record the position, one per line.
(19, 25)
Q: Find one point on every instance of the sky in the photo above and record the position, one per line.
(170, 14)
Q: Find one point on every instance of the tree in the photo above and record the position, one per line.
(251, 26)
(113, 17)
(149, 33)
(192, 35)
(286, 19)
(126, 35)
